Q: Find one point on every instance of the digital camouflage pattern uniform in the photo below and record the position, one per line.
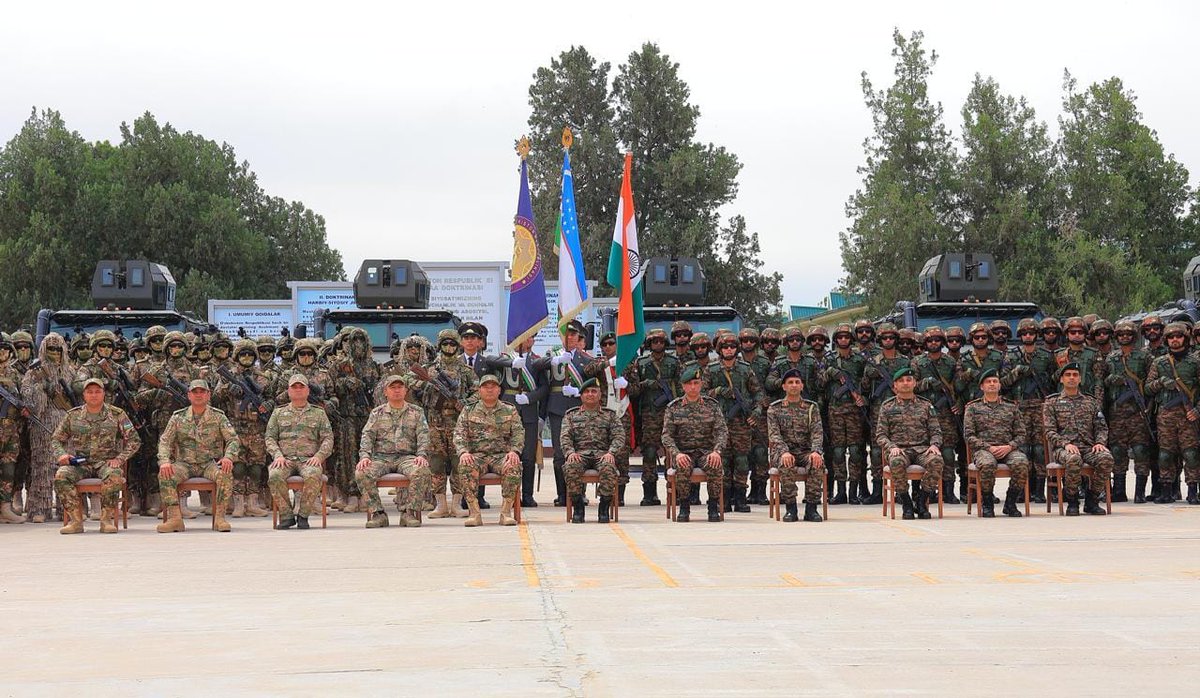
(247, 420)
(911, 426)
(297, 434)
(443, 413)
(393, 439)
(10, 431)
(695, 428)
(998, 423)
(193, 445)
(841, 382)
(759, 450)
(877, 377)
(98, 438)
(1128, 413)
(321, 393)
(1174, 381)
(1090, 361)
(488, 433)
(1077, 419)
(653, 383)
(795, 428)
(935, 383)
(591, 434)
(1029, 380)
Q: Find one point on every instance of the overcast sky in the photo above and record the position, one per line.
(397, 124)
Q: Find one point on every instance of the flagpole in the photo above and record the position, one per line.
(567, 140)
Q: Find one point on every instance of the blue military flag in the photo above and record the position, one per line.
(527, 308)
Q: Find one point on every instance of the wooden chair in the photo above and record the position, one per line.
(490, 479)
(398, 481)
(775, 493)
(592, 477)
(1056, 473)
(196, 484)
(698, 478)
(913, 473)
(975, 485)
(93, 485)
(295, 483)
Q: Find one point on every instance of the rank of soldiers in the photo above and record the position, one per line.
(833, 412)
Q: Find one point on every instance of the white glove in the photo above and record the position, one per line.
(612, 361)
(561, 359)
(570, 391)
(620, 383)
(519, 363)
(522, 399)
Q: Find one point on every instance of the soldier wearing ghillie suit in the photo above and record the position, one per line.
(243, 394)
(354, 377)
(46, 388)
(444, 385)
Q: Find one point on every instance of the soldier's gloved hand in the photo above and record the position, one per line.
(267, 406)
(522, 399)
(620, 383)
(518, 363)
(570, 391)
(561, 359)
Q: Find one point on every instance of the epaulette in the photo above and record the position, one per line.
(574, 409)
(1054, 396)
(185, 409)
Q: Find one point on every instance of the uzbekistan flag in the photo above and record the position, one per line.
(625, 274)
(527, 310)
(572, 286)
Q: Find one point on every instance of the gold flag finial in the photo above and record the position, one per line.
(523, 147)
(567, 138)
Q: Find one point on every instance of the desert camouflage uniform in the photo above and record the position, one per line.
(99, 438)
(297, 434)
(193, 445)
(393, 439)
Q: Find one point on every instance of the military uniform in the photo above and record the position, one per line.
(1174, 380)
(99, 438)
(1090, 361)
(565, 377)
(393, 439)
(1078, 420)
(518, 379)
(590, 434)
(442, 410)
(46, 389)
(1029, 381)
(935, 382)
(877, 377)
(1129, 416)
(10, 439)
(996, 423)
(841, 384)
(653, 383)
(321, 393)
(193, 444)
(695, 428)
(795, 428)
(489, 434)
(354, 377)
(614, 397)
(297, 434)
(738, 392)
(911, 425)
(250, 422)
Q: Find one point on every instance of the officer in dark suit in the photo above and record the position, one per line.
(527, 389)
(565, 370)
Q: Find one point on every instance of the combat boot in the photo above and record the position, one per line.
(577, 510)
(728, 498)
(840, 497)
(473, 518)
(72, 519)
(948, 492)
(413, 520)
(694, 497)
(602, 513)
(1139, 489)
(792, 514)
(1091, 504)
(188, 513)
(987, 509)
(239, 506)
(714, 510)
(302, 522)
(907, 503)
(219, 521)
(108, 519)
(135, 503)
(739, 500)
(1193, 493)
(1010, 503)
(1165, 493)
(379, 519)
(93, 507)
(252, 508)
(441, 511)
(506, 511)
(8, 516)
(1118, 488)
(620, 495)
(287, 519)
(1155, 490)
(876, 495)
(174, 522)
(852, 495)
(1072, 505)
(649, 494)
(1037, 488)
(460, 507)
(921, 504)
(154, 506)
(811, 513)
(685, 511)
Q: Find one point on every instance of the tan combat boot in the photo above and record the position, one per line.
(252, 508)
(473, 516)
(8, 516)
(73, 519)
(441, 511)
(414, 518)
(205, 505)
(188, 513)
(18, 502)
(94, 507)
(455, 501)
(108, 520)
(174, 522)
(352, 505)
(506, 510)
(153, 505)
(219, 521)
(239, 506)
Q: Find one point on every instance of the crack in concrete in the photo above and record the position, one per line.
(564, 665)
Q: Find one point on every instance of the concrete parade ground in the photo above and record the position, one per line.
(857, 605)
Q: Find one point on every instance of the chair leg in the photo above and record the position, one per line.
(824, 503)
(940, 497)
(1026, 495)
(1108, 496)
(1061, 481)
(324, 508)
(274, 513)
(670, 498)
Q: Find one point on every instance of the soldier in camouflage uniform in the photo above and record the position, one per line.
(1077, 434)
(794, 356)
(527, 389)
(877, 377)
(971, 365)
(487, 439)
(841, 383)
(103, 439)
(653, 383)
(748, 344)
(413, 349)
(769, 342)
(694, 435)
(163, 390)
(249, 421)
(907, 344)
(1000, 333)
(681, 337)
(320, 393)
(198, 441)
(299, 438)
(10, 434)
(593, 438)
(285, 349)
(264, 348)
(1029, 382)
(1100, 335)
(796, 439)
(1152, 332)
(909, 432)
(79, 349)
(46, 389)
(1128, 413)
(22, 343)
(222, 349)
(936, 372)
(864, 337)
(395, 440)
(1051, 334)
(735, 386)
(443, 402)
(1174, 380)
(1088, 358)
(956, 339)
(354, 375)
(995, 433)
(701, 349)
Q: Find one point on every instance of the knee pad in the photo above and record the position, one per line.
(741, 464)
(1191, 457)
(1142, 453)
(877, 456)
(1120, 457)
(857, 454)
(1037, 454)
(650, 455)
(949, 457)
(758, 455)
(1166, 459)
(839, 455)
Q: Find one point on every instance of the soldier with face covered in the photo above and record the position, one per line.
(285, 349)
(444, 385)
(22, 356)
(46, 389)
(653, 383)
(355, 375)
(1129, 415)
(163, 390)
(250, 423)
(11, 424)
(412, 350)
(79, 349)
(264, 348)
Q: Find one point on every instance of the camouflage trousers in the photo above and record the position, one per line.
(683, 480)
(277, 483)
(590, 460)
(1017, 464)
(252, 461)
(443, 460)
(736, 455)
(1102, 463)
(66, 477)
(623, 459)
(468, 475)
(760, 463)
(846, 440)
(143, 468)
(1129, 435)
(10, 447)
(650, 441)
(919, 455)
(814, 479)
(1177, 439)
(168, 486)
(1031, 414)
(349, 430)
(411, 498)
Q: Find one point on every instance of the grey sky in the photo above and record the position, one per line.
(397, 124)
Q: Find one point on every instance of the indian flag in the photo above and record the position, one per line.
(625, 274)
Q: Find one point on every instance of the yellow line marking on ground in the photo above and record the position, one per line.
(531, 575)
(666, 579)
(912, 532)
(927, 578)
(792, 581)
(479, 584)
(1026, 567)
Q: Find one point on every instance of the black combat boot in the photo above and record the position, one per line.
(1118, 488)
(840, 497)
(577, 509)
(907, 503)
(1155, 490)
(621, 495)
(694, 498)
(987, 509)
(921, 504)
(811, 513)
(948, 492)
(1010, 502)
(739, 500)
(728, 498)
(1193, 493)
(1139, 489)
(1165, 493)
(685, 511)
(1072, 504)
(649, 494)
(792, 515)
(302, 522)
(602, 512)
(714, 510)
(962, 489)
(852, 495)
(1177, 489)
(876, 494)
(1091, 504)
(482, 502)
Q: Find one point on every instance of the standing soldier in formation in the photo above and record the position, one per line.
(1088, 358)
(10, 433)
(354, 377)
(769, 341)
(1100, 337)
(694, 435)
(412, 350)
(285, 349)
(198, 441)
(842, 380)
(299, 438)
(1028, 380)
(593, 438)
(681, 337)
(1001, 333)
(701, 349)
(795, 357)
(653, 383)
(222, 350)
(165, 391)
(93, 440)
(250, 422)
(907, 344)
(614, 397)
(878, 376)
(1077, 434)
(1174, 380)
(955, 340)
(487, 439)
(264, 347)
(395, 440)
(995, 433)
(864, 336)
(1051, 334)
(748, 341)
(46, 388)
(796, 436)
(1152, 332)
(22, 343)
(909, 432)
(526, 390)
(444, 385)
(1128, 414)
(737, 390)
(935, 382)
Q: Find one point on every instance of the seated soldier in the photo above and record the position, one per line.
(299, 439)
(592, 438)
(694, 433)
(909, 433)
(795, 439)
(395, 440)
(488, 437)
(1077, 434)
(198, 441)
(995, 433)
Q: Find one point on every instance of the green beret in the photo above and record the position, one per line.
(793, 373)
(989, 373)
(1073, 366)
(589, 383)
(902, 372)
(690, 373)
